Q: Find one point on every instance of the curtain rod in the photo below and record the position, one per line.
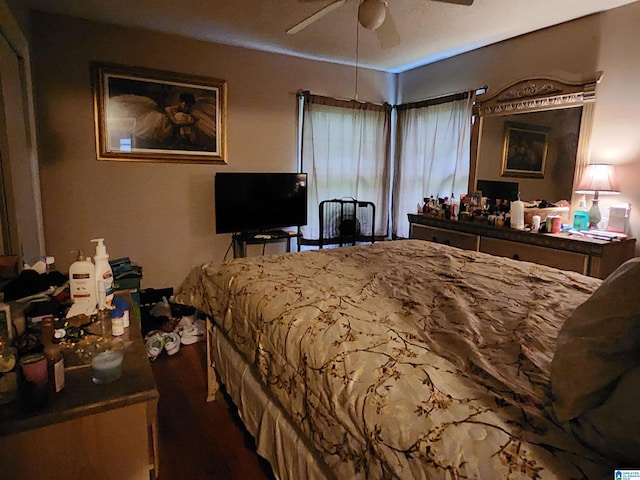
(339, 102)
(349, 103)
(450, 97)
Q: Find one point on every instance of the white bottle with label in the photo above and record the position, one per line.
(104, 275)
(517, 214)
(117, 322)
(82, 280)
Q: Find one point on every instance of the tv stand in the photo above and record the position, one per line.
(241, 240)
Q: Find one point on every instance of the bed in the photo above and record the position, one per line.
(412, 360)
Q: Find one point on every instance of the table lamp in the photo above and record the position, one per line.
(598, 178)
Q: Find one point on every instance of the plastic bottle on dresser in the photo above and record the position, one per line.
(53, 353)
(50, 264)
(123, 305)
(446, 208)
(581, 217)
(82, 280)
(455, 207)
(104, 275)
(535, 223)
(517, 214)
(117, 322)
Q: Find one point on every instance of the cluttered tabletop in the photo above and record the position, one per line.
(70, 345)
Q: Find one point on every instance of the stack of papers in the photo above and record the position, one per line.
(603, 234)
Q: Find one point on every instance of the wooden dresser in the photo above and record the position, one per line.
(596, 258)
(99, 432)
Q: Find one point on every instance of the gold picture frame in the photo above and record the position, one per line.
(524, 151)
(149, 115)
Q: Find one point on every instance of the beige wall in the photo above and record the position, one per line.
(603, 42)
(570, 50)
(161, 215)
(20, 13)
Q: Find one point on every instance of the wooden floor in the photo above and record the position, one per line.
(200, 439)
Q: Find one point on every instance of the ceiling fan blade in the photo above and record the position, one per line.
(468, 3)
(316, 16)
(388, 35)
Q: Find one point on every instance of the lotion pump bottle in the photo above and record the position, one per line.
(104, 275)
(82, 280)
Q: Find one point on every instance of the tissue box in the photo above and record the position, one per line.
(619, 219)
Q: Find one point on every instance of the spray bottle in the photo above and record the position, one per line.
(82, 280)
(104, 275)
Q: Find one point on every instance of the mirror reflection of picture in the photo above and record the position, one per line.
(565, 107)
(524, 150)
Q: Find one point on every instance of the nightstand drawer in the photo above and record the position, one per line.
(466, 241)
(564, 260)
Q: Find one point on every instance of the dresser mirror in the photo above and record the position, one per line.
(535, 132)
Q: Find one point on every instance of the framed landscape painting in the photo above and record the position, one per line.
(524, 151)
(158, 116)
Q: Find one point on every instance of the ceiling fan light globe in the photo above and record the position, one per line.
(371, 14)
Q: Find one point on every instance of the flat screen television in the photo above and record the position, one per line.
(256, 202)
(498, 190)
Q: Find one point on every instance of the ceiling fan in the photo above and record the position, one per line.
(372, 15)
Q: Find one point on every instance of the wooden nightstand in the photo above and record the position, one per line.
(86, 430)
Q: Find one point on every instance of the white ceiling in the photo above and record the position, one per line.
(429, 30)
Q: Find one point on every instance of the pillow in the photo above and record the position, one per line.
(613, 429)
(597, 344)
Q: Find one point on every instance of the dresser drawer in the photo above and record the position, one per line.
(466, 241)
(576, 262)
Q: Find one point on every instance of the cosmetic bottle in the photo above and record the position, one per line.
(82, 281)
(517, 214)
(55, 359)
(104, 275)
(117, 322)
(581, 217)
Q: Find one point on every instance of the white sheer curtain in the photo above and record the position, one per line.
(433, 155)
(345, 152)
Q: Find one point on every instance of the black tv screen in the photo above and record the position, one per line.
(498, 190)
(254, 202)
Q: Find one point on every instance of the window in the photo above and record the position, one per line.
(345, 151)
(433, 157)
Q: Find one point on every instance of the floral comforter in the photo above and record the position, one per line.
(407, 359)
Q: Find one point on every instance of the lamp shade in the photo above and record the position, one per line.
(371, 13)
(598, 177)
